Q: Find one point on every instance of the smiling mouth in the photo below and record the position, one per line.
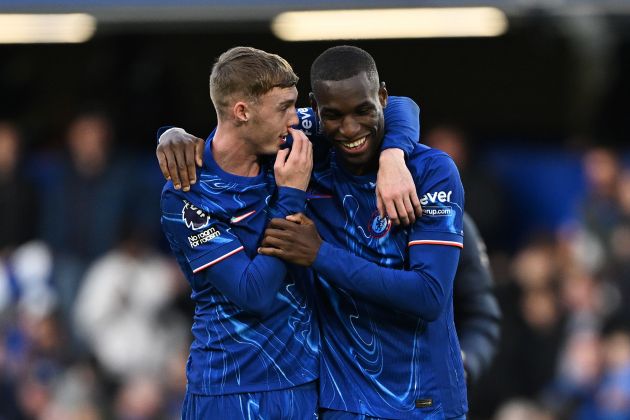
(354, 144)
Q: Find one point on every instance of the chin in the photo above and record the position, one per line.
(270, 151)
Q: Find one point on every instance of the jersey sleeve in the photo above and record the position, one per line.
(442, 200)
(309, 124)
(202, 239)
(402, 124)
(214, 256)
(289, 201)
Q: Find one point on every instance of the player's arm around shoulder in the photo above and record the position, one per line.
(178, 154)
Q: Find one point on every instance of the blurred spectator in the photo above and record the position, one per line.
(85, 202)
(532, 328)
(140, 398)
(601, 208)
(612, 397)
(485, 200)
(522, 409)
(18, 204)
(25, 280)
(124, 310)
(35, 358)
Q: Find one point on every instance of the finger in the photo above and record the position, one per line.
(189, 155)
(306, 220)
(272, 241)
(415, 202)
(182, 170)
(281, 224)
(281, 157)
(295, 133)
(309, 154)
(390, 208)
(277, 233)
(409, 210)
(402, 212)
(199, 148)
(172, 168)
(298, 218)
(296, 148)
(379, 204)
(273, 252)
(163, 165)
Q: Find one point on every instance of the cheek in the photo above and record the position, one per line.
(330, 127)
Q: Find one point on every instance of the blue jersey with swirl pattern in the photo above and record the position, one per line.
(254, 329)
(384, 293)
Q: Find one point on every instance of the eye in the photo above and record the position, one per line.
(329, 116)
(364, 110)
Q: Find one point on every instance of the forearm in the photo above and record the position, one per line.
(250, 284)
(478, 328)
(402, 124)
(289, 201)
(423, 291)
(479, 344)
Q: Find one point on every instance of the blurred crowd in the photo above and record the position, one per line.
(95, 316)
(564, 293)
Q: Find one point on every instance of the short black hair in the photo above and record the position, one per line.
(341, 63)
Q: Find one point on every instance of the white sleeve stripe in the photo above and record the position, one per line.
(431, 242)
(221, 258)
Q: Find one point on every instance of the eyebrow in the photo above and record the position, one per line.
(365, 104)
(336, 111)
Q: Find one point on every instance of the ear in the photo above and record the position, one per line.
(382, 94)
(241, 112)
(311, 97)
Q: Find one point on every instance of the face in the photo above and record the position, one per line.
(271, 117)
(351, 113)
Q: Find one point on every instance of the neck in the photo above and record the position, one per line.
(359, 170)
(232, 152)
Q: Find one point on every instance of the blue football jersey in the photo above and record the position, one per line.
(220, 219)
(378, 359)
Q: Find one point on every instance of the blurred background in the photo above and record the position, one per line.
(534, 107)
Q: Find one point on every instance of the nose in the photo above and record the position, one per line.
(294, 120)
(349, 128)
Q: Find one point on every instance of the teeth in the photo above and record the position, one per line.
(355, 144)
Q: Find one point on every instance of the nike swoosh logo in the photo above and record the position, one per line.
(237, 219)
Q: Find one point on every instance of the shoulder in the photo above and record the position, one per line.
(425, 162)
(173, 200)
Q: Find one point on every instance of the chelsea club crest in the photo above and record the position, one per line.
(379, 226)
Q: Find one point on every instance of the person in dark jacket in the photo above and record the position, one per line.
(477, 312)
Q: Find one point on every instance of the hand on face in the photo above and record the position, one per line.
(177, 153)
(294, 240)
(293, 166)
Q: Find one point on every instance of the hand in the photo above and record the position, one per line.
(295, 170)
(177, 153)
(295, 240)
(396, 194)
